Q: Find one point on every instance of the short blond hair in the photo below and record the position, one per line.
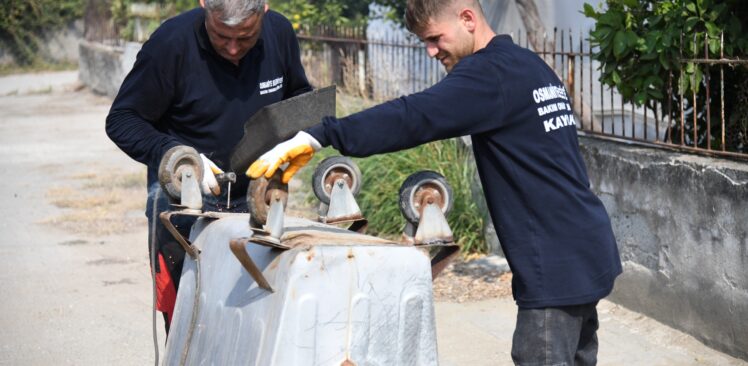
(418, 13)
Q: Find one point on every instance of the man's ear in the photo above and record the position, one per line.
(468, 19)
(266, 6)
(202, 3)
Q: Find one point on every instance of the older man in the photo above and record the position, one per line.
(554, 231)
(195, 82)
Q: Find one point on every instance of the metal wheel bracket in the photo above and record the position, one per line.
(272, 231)
(262, 193)
(274, 225)
(343, 206)
(191, 197)
(433, 227)
(190, 249)
(239, 248)
(434, 231)
(425, 199)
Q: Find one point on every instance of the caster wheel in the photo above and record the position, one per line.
(422, 188)
(174, 162)
(260, 195)
(332, 169)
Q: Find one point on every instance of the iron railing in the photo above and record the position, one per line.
(377, 68)
(392, 65)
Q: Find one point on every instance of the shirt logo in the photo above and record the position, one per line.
(552, 99)
(271, 86)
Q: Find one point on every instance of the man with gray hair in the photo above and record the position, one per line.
(199, 77)
(555, 232)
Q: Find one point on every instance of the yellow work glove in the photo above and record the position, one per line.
(209, 183)
(296, 152)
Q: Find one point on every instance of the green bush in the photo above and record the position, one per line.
(125, 21)
(23, 21)
(640, 43)
(305, 13)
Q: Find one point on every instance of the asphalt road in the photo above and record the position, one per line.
(70, 297)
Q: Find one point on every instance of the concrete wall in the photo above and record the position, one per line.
(102, 68)
(682, 227)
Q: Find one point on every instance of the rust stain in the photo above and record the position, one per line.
(274, 263)
(310, 256)
(347, 363)
(343, 219)
(350, 254)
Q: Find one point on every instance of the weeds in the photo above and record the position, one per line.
(100, 204)
(38, 66)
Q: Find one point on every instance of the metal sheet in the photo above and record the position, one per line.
(333, 303)
(278, 122)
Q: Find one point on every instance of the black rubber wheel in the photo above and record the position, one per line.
(174, 161)
(422, 183)
(259, 195)
(331, 169)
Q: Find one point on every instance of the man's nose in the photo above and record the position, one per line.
(431, 49)
(232, 47)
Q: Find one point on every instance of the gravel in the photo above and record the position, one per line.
(468, 280)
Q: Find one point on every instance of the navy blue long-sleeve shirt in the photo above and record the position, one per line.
(554, 231)
(181, 92)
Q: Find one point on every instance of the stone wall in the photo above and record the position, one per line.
(681, 222)
(60, 45)
(102, 68)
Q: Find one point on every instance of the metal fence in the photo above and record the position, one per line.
(379, 69)
(397, 65)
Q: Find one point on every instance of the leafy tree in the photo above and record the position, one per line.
(310, 13)
(640, 43)
(125, 22)
(22, 22)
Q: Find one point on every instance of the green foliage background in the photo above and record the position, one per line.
(641, 42)
(311, 13)
(22, 23)
(124, 20)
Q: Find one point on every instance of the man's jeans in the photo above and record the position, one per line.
(560, 336)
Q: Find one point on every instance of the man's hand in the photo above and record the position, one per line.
(209, 183)
(296, 152)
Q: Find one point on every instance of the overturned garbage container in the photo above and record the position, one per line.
(269, 289)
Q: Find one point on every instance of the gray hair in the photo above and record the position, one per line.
(233, 12)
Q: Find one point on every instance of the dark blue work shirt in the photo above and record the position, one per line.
(555, 232)
(181, 92)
